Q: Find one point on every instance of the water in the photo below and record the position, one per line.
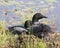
(14, 17)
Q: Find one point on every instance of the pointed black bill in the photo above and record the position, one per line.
(43, 17)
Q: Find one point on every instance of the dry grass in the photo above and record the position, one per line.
(54, 40)
(8, 40)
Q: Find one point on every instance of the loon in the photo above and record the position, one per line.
(17, 29)
(38, 29)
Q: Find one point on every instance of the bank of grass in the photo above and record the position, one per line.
(8, 40)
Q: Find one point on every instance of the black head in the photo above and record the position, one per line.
(37, 16)
(28, 23)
